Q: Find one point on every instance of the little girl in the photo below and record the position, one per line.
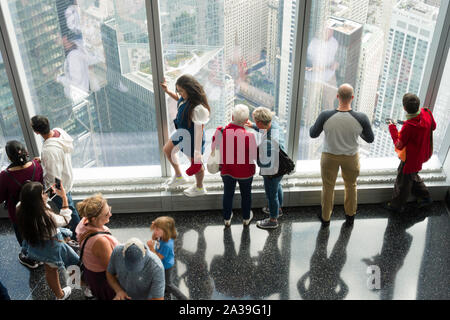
(193, 113)
(164, 233)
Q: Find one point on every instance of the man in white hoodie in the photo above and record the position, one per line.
(56, 161)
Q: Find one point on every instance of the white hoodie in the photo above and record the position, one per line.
(56, 160)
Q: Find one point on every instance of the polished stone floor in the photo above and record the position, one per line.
(380, 257)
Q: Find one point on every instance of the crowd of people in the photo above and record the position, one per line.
(70, 234)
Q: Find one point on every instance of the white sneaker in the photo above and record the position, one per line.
(246, 222)
(88, 293)
(67, 291)
(193, 191)
(176, 181)
(228, 222)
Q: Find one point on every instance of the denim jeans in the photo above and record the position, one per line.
(75, 216)
(274, 194)
(245, 187)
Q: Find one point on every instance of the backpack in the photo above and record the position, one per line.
(286, 165)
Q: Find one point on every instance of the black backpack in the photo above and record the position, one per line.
(286, 165)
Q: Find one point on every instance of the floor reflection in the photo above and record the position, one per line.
(323, 280)
(291, 262)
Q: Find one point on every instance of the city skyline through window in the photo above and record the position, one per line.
(88, 69)
(380, 48)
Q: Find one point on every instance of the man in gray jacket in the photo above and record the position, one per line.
(342, 128)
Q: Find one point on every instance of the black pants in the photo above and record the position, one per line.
(171, 288)
(405, 185)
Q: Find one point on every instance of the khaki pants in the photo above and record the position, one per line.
(330, 165)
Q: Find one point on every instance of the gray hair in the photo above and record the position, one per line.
(240, 114)
(263, 115)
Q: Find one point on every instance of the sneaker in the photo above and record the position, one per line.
(194, 191)
(267, 224)
(424, 202)
(176, 181)
(324, 223)
(390, 207)
(349, 220)
(267, 211)
(228, 222)
(88, 293)
(30, 263)
(246, 222)
(74, 245)
(67, 291)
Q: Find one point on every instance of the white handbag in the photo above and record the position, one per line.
(213, 163)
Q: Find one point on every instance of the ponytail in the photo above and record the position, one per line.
(17, 153)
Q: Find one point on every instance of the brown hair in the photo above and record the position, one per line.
(91, 207)
(166, 224)
(196, 94)
(411, 103)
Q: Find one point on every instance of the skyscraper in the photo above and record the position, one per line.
(410, 35)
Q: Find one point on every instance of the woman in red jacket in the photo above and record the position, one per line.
(238, 152)
(415, 137)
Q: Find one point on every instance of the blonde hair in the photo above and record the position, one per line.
(263, 115)
(167, 225)
(91, 207)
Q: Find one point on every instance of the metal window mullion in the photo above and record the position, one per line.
(17, 78)
(437, 56)
(435, 66)
(301, 45)
(157, 64)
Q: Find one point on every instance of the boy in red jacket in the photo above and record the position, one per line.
(415, 137)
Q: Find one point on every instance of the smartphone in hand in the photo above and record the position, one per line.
(51, 194)
(58, 184)
(389, 121)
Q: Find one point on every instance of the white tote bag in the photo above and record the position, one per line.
(213, 164)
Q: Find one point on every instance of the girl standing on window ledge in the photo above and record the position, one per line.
(193, 113)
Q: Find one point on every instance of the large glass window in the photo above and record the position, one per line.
(241, 52)
(9, 122)
(442, 109)
(87, 64)
(380, 48)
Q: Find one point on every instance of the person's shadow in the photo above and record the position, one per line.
(233, 272)
(325, 282)
(272, 267)
(396, 245)
(196, 277)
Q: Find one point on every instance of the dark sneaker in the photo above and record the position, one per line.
(267, 211)
(390, 207)
(424, 202)
(349, 220)
(324, 223)
(32, 264)
(267, 224)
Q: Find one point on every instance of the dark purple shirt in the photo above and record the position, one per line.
(10, 190)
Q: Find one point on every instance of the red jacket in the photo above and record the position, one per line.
(415, 137)
(238, 151)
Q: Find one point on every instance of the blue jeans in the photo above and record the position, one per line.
(75, 216)
(4, 293)
(245, 187)
(274, 194)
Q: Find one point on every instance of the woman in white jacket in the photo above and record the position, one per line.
(43, 237)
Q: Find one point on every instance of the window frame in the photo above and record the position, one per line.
(17, 78)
